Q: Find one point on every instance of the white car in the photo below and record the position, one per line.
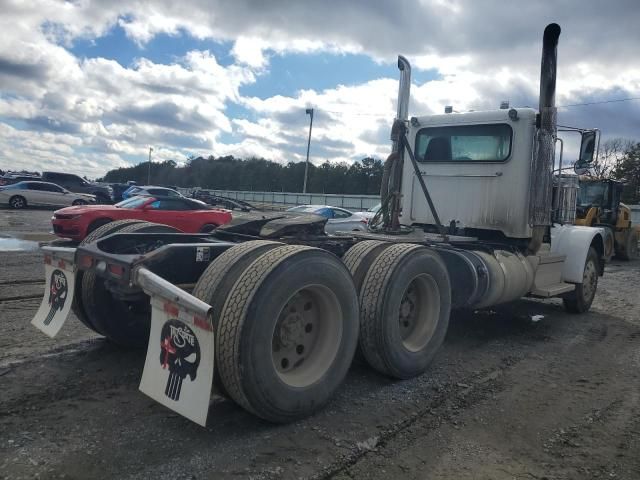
(29, 193)
(150, 190)
(340, 219)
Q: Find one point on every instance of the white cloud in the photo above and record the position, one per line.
(94, 114)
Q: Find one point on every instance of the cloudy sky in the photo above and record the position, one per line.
(87, 86)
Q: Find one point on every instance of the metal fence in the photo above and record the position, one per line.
(288, 199)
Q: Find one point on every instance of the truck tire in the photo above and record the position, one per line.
(122, 322)
(208, 228)
(287, 332)
(405, 302)
(358, 259)
(629, 250)
(96, 224)
(216, 281)
(580, 300)
(77, 305)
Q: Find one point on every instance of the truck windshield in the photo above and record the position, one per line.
(464, 143)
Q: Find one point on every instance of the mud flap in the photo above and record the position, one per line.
(178, 370)
(58, 294)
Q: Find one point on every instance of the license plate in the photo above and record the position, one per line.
(178, 370)
(58, 295)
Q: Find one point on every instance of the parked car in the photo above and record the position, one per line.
(118, 190)
(11, 178)
(190, 216)
(149, 190)
(30, 193)
(77, 184)
(340, 219)
(222, 202)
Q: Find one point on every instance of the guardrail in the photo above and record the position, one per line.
(289, 199)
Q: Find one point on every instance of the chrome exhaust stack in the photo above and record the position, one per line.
(540, 196)
(392, 173)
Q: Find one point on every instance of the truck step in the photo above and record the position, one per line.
(553, 290)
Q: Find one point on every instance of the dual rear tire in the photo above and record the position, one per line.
(287, 326)
(405, 302)
(287, 319)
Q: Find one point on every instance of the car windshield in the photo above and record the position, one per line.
(131, 203)
(375, 208)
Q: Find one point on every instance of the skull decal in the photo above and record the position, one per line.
(180, 353)
(57, 294)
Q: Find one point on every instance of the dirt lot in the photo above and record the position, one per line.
(506, 398)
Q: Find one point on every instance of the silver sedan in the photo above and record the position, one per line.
(29, 193)
(339, 219)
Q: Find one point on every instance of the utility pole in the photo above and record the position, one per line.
(309, 111)
(149, 173)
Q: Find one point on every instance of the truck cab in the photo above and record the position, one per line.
(477, 166)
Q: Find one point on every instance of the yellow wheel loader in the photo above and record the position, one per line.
(599, 205)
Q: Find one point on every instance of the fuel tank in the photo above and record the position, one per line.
(482, 278)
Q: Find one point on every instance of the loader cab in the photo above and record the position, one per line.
(598, 201)
(477, 166)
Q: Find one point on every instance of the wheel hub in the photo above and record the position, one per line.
(306, 335)
(418, 312)
(291, 330)
(407, 312)
(295, 334)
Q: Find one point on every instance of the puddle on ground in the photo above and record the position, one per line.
(17, 245)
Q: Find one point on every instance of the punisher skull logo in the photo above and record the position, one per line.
(57, 294)
(180, 353)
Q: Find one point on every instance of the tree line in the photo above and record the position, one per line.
(619, 159)
(257, 174)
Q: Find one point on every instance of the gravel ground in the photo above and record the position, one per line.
(506, 398)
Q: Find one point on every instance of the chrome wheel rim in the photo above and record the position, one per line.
(307, 335)
(419, 312)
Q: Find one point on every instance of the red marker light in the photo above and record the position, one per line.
(117, 270)
(85, 261)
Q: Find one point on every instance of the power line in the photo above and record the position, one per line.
(599, 103)
(381, 115)
(358, 114)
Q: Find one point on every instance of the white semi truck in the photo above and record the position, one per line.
(269, 310)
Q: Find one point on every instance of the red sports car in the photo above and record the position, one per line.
(185, 214)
